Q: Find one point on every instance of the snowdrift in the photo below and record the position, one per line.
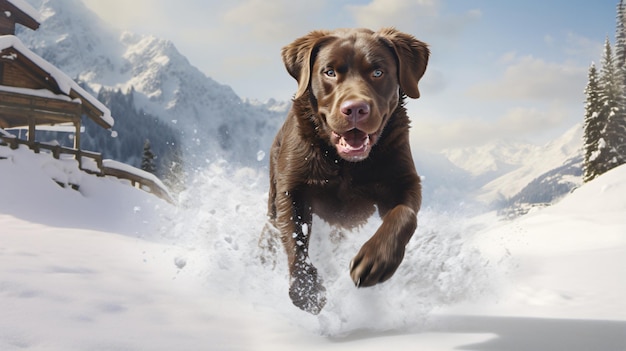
(110, 267)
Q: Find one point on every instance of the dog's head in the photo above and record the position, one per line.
(355, 78)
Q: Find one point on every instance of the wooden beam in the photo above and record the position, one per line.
(77, 135)
(31, 129)
(90, 110)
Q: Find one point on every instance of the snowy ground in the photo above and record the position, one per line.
(108, 267)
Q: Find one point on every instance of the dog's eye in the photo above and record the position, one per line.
(330, 72)
(377, 73)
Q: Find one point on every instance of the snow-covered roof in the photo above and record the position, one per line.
(64, 82)
(27, 9)
(37, 92)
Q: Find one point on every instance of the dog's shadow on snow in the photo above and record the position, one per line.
(521, 334)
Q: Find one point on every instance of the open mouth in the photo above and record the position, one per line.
(353, 145)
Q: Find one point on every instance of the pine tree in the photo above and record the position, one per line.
(147, 161)
(616, 127)
(620, 38)
(611, 110)
(614, 108)
(605, 107)
(617, 124)
(593, 126)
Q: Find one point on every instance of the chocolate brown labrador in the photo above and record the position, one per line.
(343, 152)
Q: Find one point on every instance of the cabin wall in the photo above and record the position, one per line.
(13, 76)
(7, 26)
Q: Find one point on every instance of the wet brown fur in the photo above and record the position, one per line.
(307, 175)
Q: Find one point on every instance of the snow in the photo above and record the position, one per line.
(110, 267)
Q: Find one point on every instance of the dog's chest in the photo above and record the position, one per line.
(345, 198)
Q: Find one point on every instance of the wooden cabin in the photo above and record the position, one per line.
(34, 92)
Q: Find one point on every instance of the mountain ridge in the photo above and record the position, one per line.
(208, 115)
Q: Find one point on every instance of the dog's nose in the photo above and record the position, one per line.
(355, 110)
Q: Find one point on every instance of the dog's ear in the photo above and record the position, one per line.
(299, 56)
(412, 56)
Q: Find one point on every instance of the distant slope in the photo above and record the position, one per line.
(545, 189)
(490, 161)
(552, 156)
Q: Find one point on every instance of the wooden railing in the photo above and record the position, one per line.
(92, 163)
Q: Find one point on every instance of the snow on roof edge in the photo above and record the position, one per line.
(66, 84)
(45, 93)
(27, 9)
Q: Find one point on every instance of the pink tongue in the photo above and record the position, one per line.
(355, 138)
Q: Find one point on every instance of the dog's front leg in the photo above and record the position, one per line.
(381, 255)
(295, 218)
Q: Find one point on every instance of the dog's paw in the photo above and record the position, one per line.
(375, 263)
(306, 290)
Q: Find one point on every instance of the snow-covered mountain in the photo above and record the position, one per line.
(565, 150)
(492, 160)
(505, 174)
(211, 119)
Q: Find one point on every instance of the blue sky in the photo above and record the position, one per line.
(499, 69)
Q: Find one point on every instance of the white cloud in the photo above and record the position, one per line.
(278, 20)
(535, 79)
(435, 81)
(437, 132)
(124, 14)
(422, 18)
(380, 13)
(583, 47)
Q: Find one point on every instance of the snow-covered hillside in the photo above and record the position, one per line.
(109, 267)
(40, 189)
(210, 117)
